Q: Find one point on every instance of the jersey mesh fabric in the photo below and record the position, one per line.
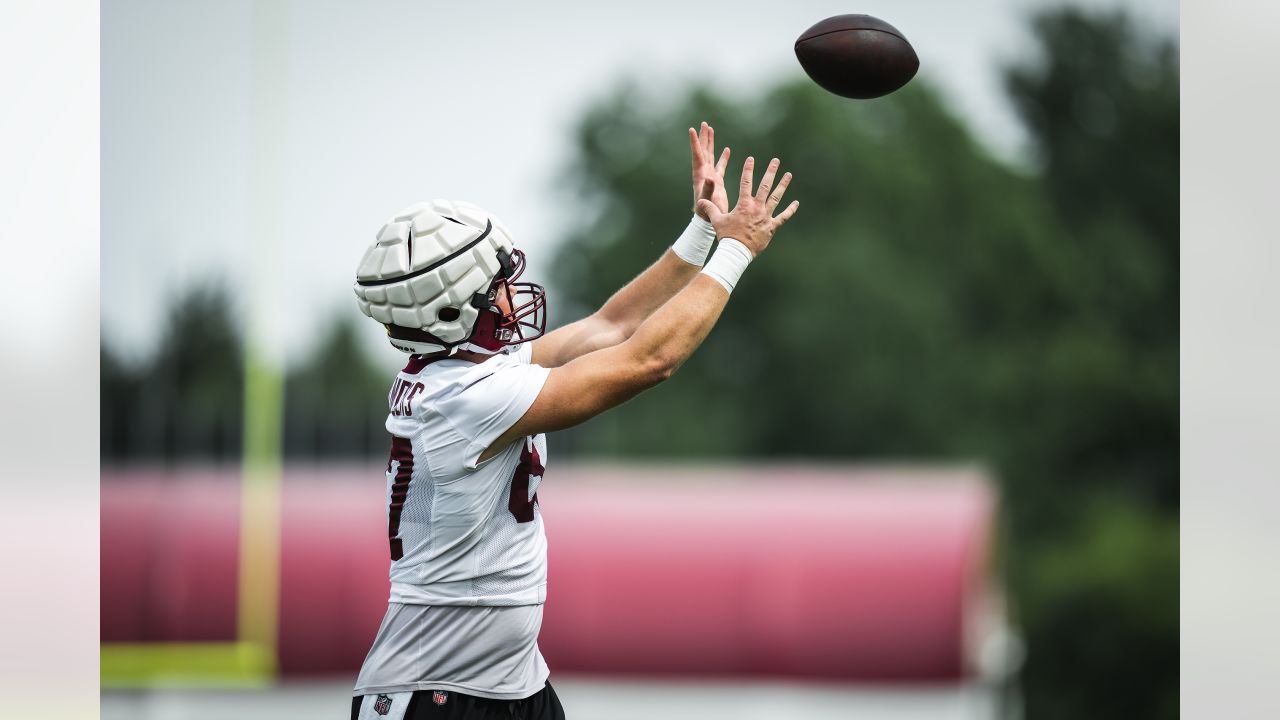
(492, 554)
(510, 548)
(467, 592)
(415, 519)
(461, 543)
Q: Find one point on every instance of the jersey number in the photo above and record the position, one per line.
(400, 463)
(520, 504)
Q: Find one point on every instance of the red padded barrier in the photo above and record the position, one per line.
(333, 573)
(842, 573)
(168, 556)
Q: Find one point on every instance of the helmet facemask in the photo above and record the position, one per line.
(526, 318)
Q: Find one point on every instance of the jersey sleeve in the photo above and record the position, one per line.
(486, 409)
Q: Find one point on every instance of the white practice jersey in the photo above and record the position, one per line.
(468, 552)
(488, 652)
(462, 532)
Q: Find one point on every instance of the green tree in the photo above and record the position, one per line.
(336, 400)
(930, 301)
(1102, 105)
(185, 400)
(117, 406)
(902, 253)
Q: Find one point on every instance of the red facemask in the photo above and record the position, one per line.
(527, 319)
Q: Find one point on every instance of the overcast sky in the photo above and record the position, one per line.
(388, 103)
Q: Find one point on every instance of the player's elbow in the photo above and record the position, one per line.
(612, 333)
(658, 368)
(648, 365)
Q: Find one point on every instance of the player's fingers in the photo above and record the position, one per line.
(709, 209)
(708, 188)
(709, 140)
(748, 173)
(778, 192)
(723, 163)
(766, 182)
(695, 146)
(785, 215)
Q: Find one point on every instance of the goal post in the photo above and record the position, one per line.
(250, 659)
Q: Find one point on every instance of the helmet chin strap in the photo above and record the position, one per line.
(484, 336)
(484, 340)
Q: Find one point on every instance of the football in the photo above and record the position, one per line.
(857, 56)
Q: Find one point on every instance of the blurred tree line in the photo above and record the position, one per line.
(928, 301)
(185, 402)
(931, 301)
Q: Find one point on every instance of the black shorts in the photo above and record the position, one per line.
(450, 705)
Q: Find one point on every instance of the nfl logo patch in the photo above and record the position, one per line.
(382, 705)
(439, 697)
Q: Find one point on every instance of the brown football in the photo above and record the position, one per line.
(857, 56)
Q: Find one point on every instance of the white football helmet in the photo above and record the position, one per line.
(434, 274)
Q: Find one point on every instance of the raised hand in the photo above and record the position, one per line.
(752, 221)
(708, 173)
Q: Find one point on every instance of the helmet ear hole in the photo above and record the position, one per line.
(448, 314)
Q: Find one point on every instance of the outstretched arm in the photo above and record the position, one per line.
(609, 377)
(623, 313)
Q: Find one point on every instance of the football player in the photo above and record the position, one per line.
(468, 415)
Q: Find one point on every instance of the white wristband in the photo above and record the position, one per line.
(728, 262)
(694, 243)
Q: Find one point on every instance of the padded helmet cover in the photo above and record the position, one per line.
(429, 261)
